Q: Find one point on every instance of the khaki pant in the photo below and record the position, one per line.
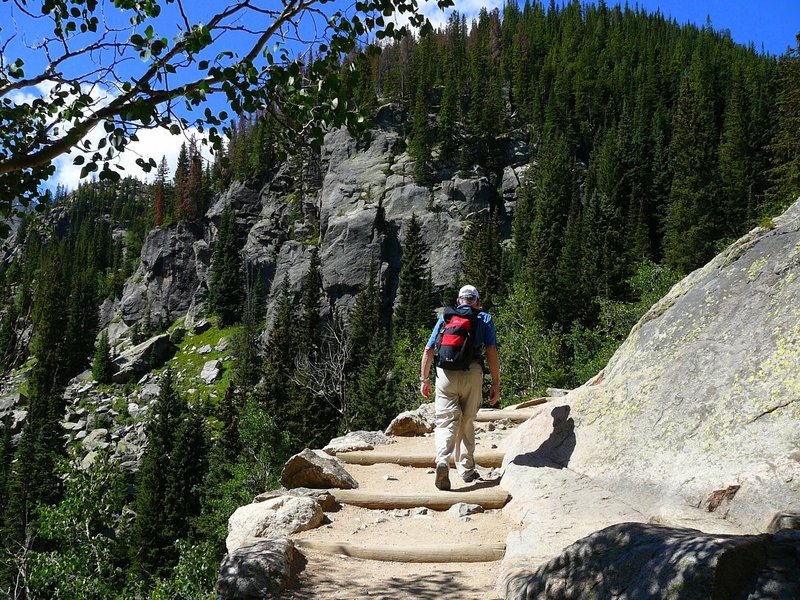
(458, 398)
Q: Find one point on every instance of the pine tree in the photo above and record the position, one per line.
(785, 144)
(101, 365)
(188, 463)
(229, 443)
(310, 326)
(182, 200)
(553, 195)
(365, 320)
(449, 117)
(197, 205)
(310, 418)
(692, 216)
(373, 403)
(82, 319)
(279, 359)
(483, 258)
(150, 537)
(415, 291)
(226, 289)
(735, 159)
(159, 200)
(6, 456)
(35, 480)
(8, 336)
(572, 303)
(419, 148)
(246, 366)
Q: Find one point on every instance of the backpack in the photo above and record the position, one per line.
(455, 342)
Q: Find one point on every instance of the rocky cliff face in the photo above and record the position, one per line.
(701, 404)
(356, 208)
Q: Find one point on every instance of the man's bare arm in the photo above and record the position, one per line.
(493, 360)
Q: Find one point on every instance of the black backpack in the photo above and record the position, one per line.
(455, 343)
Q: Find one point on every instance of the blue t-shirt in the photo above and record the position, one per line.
(486, 335)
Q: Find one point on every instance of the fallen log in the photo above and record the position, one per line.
(492, 497)
(518, 415)
(374, 457)
(438, 553)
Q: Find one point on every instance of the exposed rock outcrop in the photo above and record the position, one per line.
(171, 274)
(356, 210)
(700, 405)
(135, 362)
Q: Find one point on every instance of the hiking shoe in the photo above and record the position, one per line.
(442, 477)
(474, 476)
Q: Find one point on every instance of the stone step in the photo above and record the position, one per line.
(430, 553)
(518, 415)
(487, 497)
(485, 458)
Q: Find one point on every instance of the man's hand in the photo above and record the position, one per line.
(425, 388)
(494, 394)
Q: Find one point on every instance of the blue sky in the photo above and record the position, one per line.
(770, 25)
(773, 23)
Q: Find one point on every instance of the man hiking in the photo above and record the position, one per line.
(460, 338)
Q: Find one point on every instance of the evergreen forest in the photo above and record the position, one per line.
(651, 147)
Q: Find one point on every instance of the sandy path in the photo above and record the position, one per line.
(325, 576)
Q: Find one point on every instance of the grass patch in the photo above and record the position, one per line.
(187, 365)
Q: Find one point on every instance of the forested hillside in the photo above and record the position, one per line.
(643, 148)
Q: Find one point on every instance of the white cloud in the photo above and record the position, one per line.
(152, 143)
(467, 8)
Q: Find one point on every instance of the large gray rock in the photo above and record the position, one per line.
(651, 562)
(260, 570)
(700, 405)
(309, 469)
(96, 440)
(11, 401)
(141, 359)
(273, 518)
(357, 440)
(414, 422)
(323, 497)
(211, 371)
(108, 309)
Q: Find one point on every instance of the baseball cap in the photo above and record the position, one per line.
(468, 291)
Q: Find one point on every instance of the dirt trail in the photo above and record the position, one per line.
(335, 576)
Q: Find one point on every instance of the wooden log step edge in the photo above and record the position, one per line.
(493, 497)
(519, 415)
(438, 553)
(488, 458)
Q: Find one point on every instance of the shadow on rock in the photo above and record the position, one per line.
(656, 562)
(556, 450)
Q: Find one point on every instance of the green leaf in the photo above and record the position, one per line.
(79, 160)
(88, 168)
